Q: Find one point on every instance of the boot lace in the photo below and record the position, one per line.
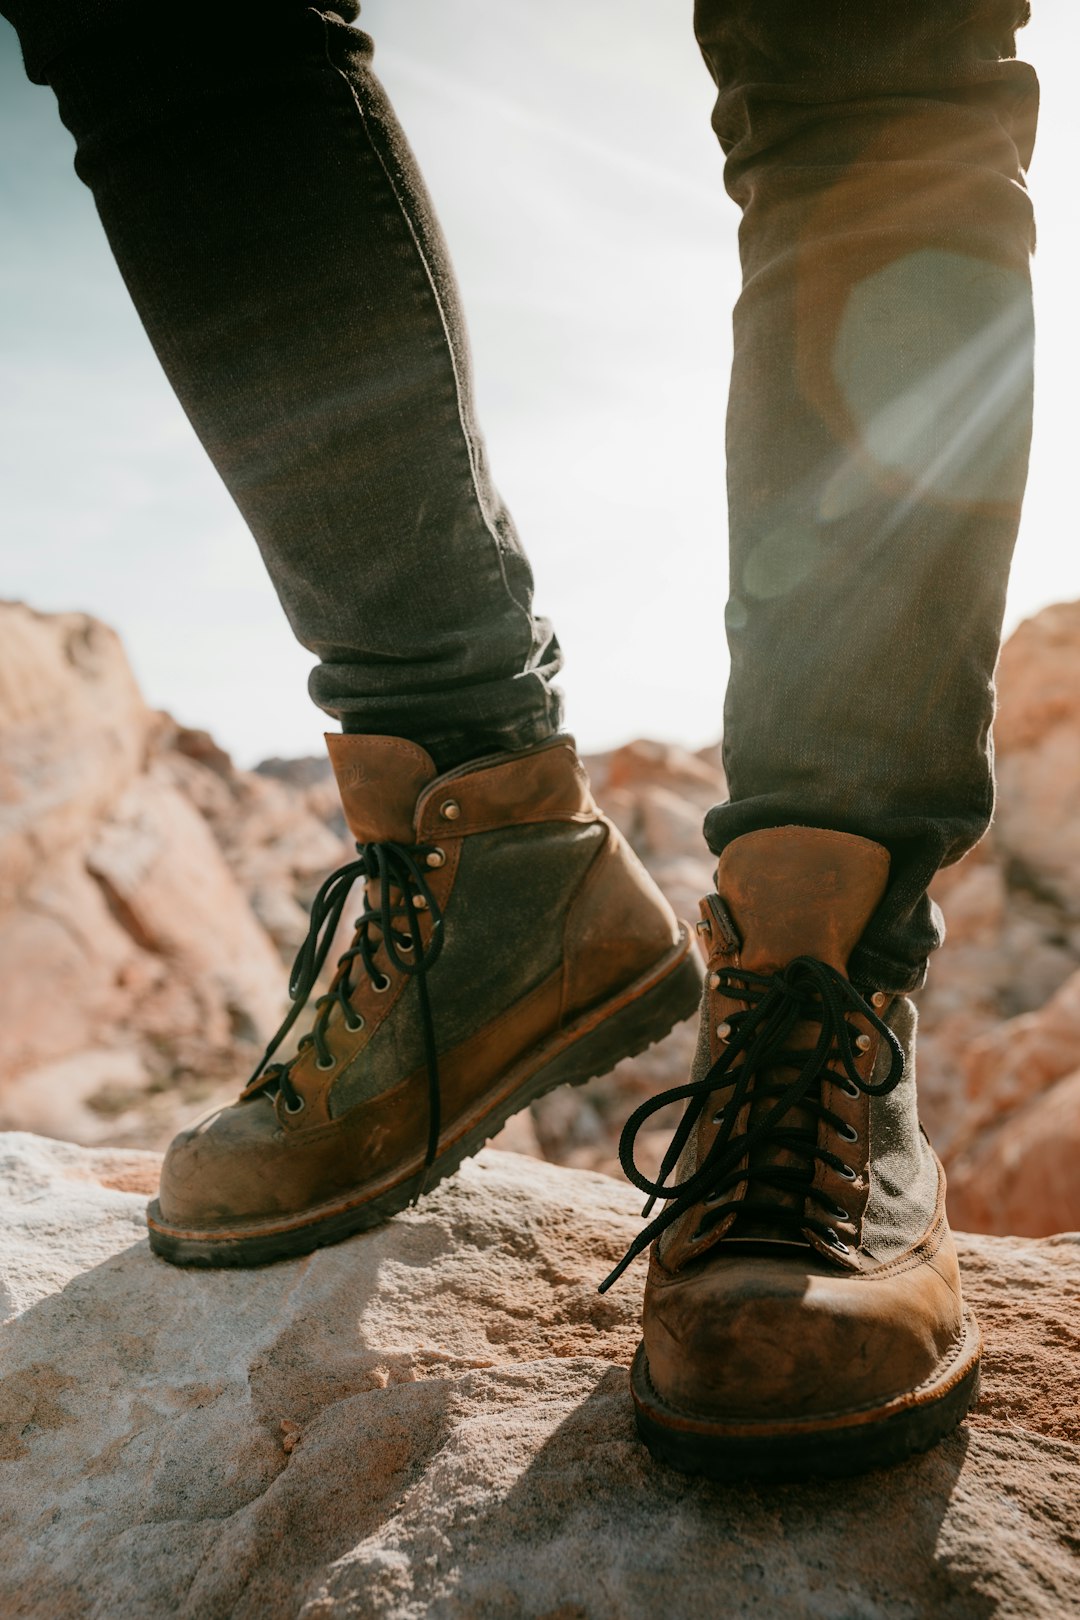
(404, 892)
(806, 990)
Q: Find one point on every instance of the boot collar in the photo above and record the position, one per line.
(800, 891)
(379, 780)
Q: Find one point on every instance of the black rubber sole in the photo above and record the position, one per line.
(842, 1444)
(635, 1024)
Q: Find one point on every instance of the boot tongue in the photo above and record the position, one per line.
(795, 891)
(800, 891)
(379, 780)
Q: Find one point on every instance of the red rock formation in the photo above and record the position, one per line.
(150, 892)
(143, 890)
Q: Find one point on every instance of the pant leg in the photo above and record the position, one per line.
(273, 230)
(878, 423)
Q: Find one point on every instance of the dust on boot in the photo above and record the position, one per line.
(803, 1311)
(510, 942)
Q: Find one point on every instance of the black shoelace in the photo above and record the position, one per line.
(403, 894)
(806, 990)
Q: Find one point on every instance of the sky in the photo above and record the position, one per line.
(569, 154)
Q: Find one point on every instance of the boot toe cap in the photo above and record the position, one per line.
(224, 1167)
(738, 1339)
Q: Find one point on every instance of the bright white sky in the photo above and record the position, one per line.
(569, 153)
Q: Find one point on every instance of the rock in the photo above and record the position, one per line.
(1012, 907)
(695, 778)
(1000, 962)
(279, 838)
(91, 846)
(1013, 1163)
(84, 1095)
(1020, 1175)
(74, 731)
(433, 1421)
(1018, 1060)
(1001, 1012)
(148, 895)
(519, 1135)
(1036, 732)
(165, 879)
(670, 824)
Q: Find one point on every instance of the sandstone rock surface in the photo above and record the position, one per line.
(431, 1422)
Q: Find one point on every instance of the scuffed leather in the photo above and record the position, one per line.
(378, 779)
(530, 820)
(743, 1335)
(616, 928)
(770, 1329)
(547, 783)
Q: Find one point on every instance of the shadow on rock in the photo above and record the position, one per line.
(205, 1443)
(592, 1527)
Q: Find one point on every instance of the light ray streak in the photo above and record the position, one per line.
(503, 110)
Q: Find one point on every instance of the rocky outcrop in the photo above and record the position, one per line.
(150, 894)
(432, 1422)
(1002, 1007)
(1013, 906)
(147, 891)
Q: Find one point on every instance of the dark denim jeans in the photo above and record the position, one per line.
(276, 237)
(878, 422)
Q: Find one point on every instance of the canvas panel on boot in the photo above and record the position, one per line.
(510, 942)
(803, 1310)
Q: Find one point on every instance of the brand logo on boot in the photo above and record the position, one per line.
(354, 776)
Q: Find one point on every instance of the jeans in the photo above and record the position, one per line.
(878, 423)
(276, 237)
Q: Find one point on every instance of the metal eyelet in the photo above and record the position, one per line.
(352, 1028)
(714, 981)
(718, 1118)
(319, 1064)
(382, 984)
(878, 999)
(838, 1243)
(863, 1042)
(840, 1213)
(419, 903)
(849, 1088)
(848, 1132)
(299, 1107)
(848, 1173)
(723, 1031)
(450, 810)
(436, 857)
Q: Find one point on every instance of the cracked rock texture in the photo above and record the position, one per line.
(432, 1420)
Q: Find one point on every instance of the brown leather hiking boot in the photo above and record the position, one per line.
(802, 1311)
(510, 942)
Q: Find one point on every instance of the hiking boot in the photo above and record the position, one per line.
(802, 1311)
(510, 942)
